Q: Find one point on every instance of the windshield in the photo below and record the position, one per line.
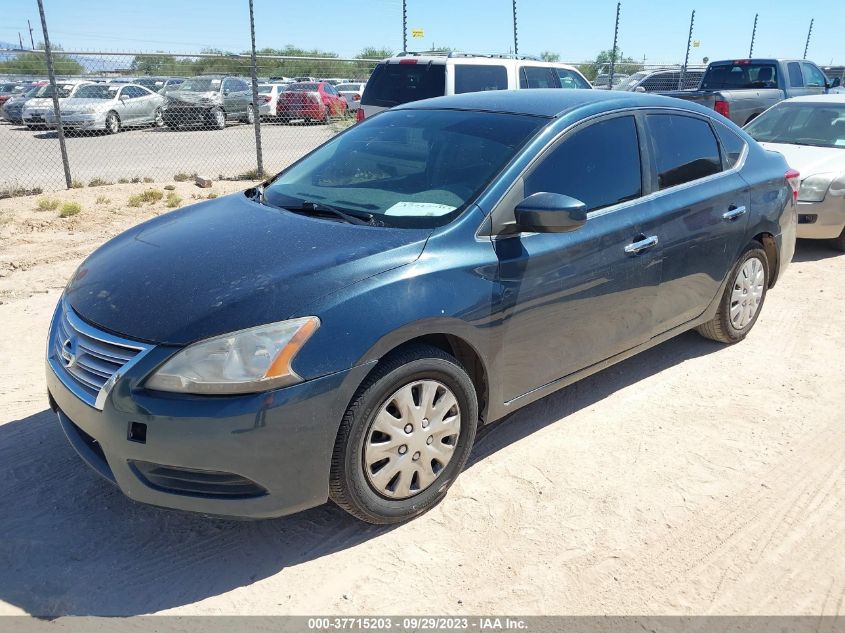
(392, 84)
(348, 87)
(817, 124)
(152, 84)
(97, 91)
(202, 84)
(631, 81)
(303, 87)
(409, 168)
(47, 91)
(740, 75)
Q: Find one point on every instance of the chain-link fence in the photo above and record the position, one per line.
(131, 117)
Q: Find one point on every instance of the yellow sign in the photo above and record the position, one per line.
(417, 33)
(696, 43)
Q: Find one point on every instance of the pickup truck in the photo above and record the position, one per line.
(741, 89)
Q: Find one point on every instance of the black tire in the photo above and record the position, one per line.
(217, 119)
(839, 242)
(112, 123)
(720, 328)
(349, 487)
(249, 118)
(158, 118)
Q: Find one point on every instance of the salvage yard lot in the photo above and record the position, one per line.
(34, 156)
(693, 478)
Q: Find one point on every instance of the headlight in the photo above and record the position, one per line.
(814, 188)
(247, 361)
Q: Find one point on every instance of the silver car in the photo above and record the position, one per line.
(35, 110)
(352, 92)
(810, 133)
(110, 107)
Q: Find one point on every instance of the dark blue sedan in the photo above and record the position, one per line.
(343, 330)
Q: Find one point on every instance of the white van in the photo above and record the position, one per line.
(414, 76)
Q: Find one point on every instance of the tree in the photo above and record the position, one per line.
(36, 63)
(548, 56)
(371, 52)
(622, 66)
(155, 64)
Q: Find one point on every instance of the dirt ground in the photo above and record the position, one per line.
(692, 479)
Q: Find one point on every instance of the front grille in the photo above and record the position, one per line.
(196, 483)
(87, 360)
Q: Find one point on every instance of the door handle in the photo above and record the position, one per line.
(641, 245)
(733, 213)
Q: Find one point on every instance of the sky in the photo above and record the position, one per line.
(652, 29)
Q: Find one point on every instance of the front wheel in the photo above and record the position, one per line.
(405, 437)
(839, 242)
(743, 298)
(250, 115)
(112, 123)
(158, 118)
(218, 119)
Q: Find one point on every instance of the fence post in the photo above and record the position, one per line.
(613, 52)
(753, 35)
(254, 72)
(52, 75)
(809, 33)
(686, 59)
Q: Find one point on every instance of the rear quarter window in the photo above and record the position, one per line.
(479, 78)
(393, 84)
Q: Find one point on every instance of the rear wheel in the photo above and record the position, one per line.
(743, 298)
(405, 437)
(112, 123)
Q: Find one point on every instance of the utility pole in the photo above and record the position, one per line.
(515, 38)
(257, 120)
(404, 25)
(686, 59)
(59, 128)
(31, 41)
(20, 40)
(807, 45)
(613, 50)
(753, 35)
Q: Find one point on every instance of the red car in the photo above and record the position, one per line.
(311, 101)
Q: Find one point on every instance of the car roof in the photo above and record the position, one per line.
(548, 102)
(837, 97)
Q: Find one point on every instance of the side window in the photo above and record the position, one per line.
(241, 85)
(571, 79)
(132, 92)
(582, 167)
(684, 149)
(478, 78)
(796, 79)
(229, 85)
(732, 145)
(538, 77)
(813, 77)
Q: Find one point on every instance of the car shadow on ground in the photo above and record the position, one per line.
(72, 544)
(814, 250)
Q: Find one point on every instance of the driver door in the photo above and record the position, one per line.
(574, 299)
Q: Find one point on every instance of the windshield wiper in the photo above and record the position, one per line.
(309, 207)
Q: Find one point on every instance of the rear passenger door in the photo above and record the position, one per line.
(699, 210)
(575, 299)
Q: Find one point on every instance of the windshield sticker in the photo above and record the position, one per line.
(410, 209)
(215, 82)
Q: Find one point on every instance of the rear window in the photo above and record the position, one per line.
(264, 89)
(304, 87)
(571, 79)
(740, 75)
(348, 87)
(479, 78)
(394, 84)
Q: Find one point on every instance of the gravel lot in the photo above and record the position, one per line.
(33, 158)
(692, 479)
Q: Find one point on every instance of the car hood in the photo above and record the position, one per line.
(809, 160)
(225, 265)
(78, 102)
(192, 97)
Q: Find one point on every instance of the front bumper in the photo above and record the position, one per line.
(257, 455)
(79, 121)
(821, 220)
(187, 115)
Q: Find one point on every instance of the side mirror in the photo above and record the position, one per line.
(123, 97)
(544, 212)
(639, 89)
